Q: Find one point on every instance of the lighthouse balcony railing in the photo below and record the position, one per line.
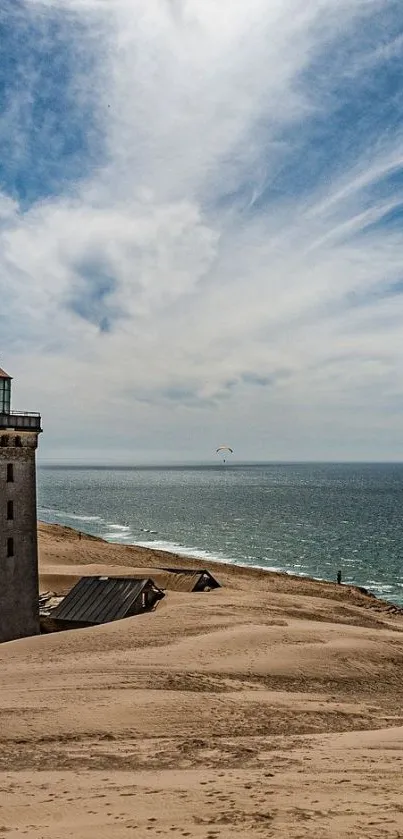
(21, 419)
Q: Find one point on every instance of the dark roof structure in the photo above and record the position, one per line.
(96, 600)
(199, 579)
(4, 375)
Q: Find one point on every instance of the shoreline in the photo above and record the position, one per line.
(295, 583)
(386, 589)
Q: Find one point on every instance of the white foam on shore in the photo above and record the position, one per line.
(61, 514)
(175, 548)
(380, 586)
(121, 528)
(199, 553)
(121, 534)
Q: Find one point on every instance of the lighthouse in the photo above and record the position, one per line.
(19, 606)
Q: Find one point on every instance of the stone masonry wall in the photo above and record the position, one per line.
(19, 613)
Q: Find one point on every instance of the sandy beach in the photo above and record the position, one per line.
(268, 707)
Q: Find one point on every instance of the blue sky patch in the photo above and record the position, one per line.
(48, 125)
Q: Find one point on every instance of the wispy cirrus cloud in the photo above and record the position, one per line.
(200, 225)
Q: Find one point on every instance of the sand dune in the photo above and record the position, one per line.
(60, 579)
(269, 707)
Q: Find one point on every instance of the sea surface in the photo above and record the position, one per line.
(307, 519)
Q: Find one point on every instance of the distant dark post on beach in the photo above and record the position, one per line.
(339, 577)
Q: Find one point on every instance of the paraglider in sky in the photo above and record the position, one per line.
(224, 452)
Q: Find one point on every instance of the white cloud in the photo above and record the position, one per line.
(218, 277)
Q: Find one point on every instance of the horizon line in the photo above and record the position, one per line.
(204, 464)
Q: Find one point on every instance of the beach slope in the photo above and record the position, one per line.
(268, 707)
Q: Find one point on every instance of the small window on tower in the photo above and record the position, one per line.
(10, 473)
(4, 441)
(18, 442)
(10, 546)
(10, 510)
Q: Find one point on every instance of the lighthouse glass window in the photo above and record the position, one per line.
(5, 392)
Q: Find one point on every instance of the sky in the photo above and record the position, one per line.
(201, 242)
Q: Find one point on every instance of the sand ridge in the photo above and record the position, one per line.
(269, 707)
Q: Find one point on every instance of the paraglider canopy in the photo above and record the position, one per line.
(224, 452)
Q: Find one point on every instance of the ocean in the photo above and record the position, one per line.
(306, 519)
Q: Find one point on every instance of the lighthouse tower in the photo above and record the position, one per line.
(19, 609)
